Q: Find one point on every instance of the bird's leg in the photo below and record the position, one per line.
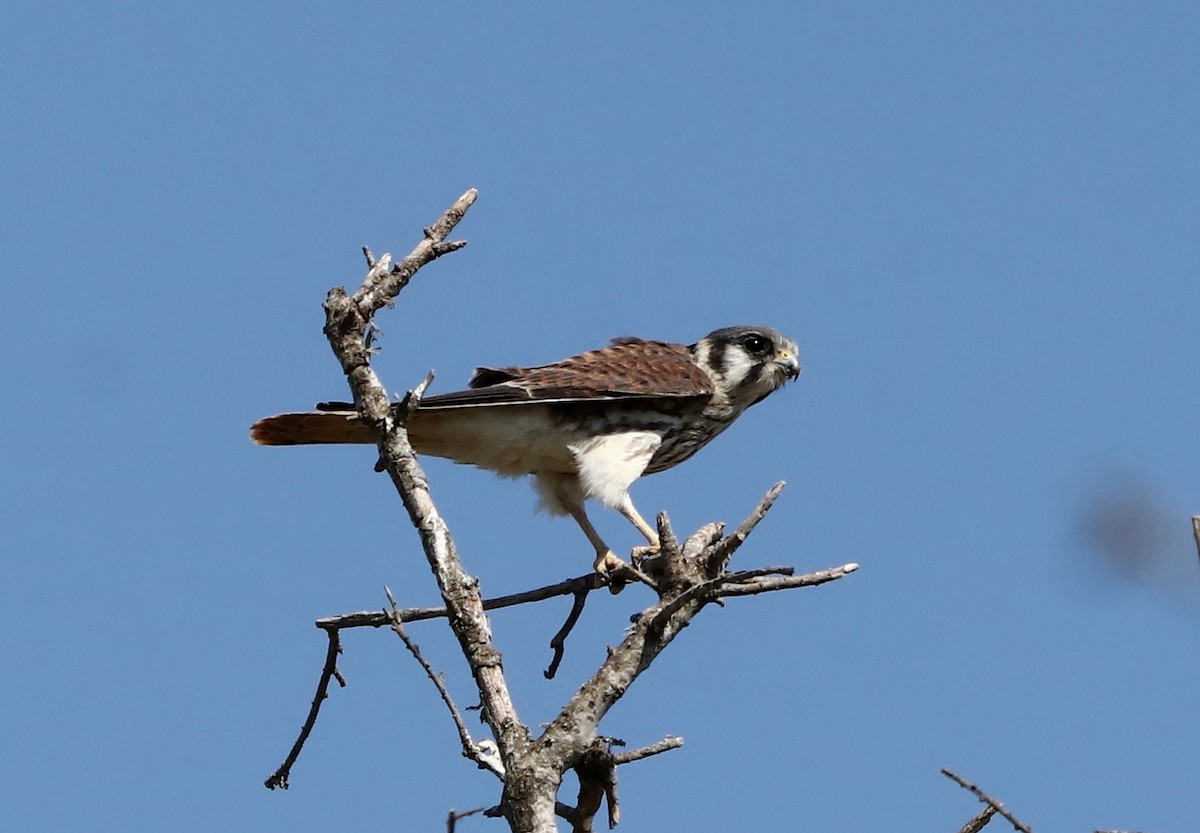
(629, 511)
(606, 560)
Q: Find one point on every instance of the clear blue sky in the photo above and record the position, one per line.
(981, 222)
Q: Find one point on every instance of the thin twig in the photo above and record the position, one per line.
(621, 576)
(376, 619)
(986, 799)
(452, 819)
(712, 586)
(412, 398)
(559, 641)
(279, 778)
(469, 749)
(719, 558)
(383, 286)
(665, 745)
(768, 584)
(1196, 531)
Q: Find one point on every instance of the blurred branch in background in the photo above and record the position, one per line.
(1132, 530)
(1196, 531)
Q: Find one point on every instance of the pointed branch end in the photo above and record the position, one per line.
(408, 405)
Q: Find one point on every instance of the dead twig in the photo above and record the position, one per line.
(986, 799)
(279, 778)
(559, 641)
(469, 748)
(767, 584)
(376, 619)
(382, 284)
(980, 821)
(708, 590)
(665, 745)
(579, 587)
(718, 559)
(454, 816)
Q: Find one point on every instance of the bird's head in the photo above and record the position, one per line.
(747, 363)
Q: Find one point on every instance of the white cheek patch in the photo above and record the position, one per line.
(608, 465)
(737, 367)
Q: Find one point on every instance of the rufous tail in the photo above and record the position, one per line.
(310, 428)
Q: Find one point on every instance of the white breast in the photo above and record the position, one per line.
(608, 465)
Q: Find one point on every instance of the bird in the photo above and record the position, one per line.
(585, 427)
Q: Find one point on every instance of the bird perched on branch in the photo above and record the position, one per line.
(584, 427)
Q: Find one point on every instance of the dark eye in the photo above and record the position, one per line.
(756, 345)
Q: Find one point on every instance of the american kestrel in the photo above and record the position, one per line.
(584, 427)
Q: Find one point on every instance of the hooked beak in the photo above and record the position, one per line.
(790, 365)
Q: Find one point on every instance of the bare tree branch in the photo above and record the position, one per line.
(383, 285)
(666, 535)
(279, 778)
(755, 586)
(980, 821)
(528, 801)
(376, 619)
(700, 540)
(719, 558)
(597, 773)
(709, 590)
(572, 586)
(559, 641)
(577, 724)
(665, 745)
(986, 799)
(469, 748)
(1196, 531)
(455, 815)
